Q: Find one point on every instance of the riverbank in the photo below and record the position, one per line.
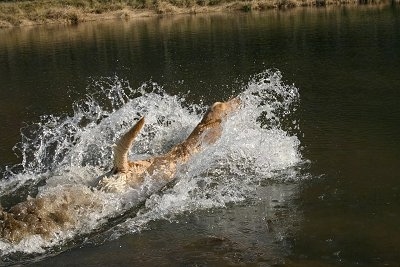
(34, 12)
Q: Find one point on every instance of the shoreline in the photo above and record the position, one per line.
(37, 12)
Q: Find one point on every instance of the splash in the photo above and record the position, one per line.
(58, 153)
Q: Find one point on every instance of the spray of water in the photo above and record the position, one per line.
(68, 153)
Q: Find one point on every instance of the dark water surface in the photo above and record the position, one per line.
(346, 64)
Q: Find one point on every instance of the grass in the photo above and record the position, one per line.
(29, 12)
(68, 11)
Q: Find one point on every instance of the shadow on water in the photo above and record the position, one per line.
(345, 62)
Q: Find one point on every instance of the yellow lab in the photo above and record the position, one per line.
(48, 215)
(132, 173)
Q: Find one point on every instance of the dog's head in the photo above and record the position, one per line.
(219, 110)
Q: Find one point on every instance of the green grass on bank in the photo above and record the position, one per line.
(25, 12)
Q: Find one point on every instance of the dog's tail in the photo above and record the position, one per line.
(123, 145)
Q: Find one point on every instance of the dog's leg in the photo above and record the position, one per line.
(123, 145)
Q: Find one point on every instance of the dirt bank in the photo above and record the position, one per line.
(34, 12)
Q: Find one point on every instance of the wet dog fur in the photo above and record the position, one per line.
(45, 216)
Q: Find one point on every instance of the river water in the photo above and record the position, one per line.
(305, 174)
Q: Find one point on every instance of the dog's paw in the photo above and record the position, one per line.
(113, 184)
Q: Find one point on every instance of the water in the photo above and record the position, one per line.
(69, 153)
(304, 175)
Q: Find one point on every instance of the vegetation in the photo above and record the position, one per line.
(29, 12)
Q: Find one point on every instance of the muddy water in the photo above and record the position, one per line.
(330, 193)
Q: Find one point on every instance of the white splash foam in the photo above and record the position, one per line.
(256, 144)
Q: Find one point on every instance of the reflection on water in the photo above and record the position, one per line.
(345, 62)
(241, 233)
(208, 55)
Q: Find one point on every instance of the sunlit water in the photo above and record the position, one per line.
(304, 174)
(71, 152)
